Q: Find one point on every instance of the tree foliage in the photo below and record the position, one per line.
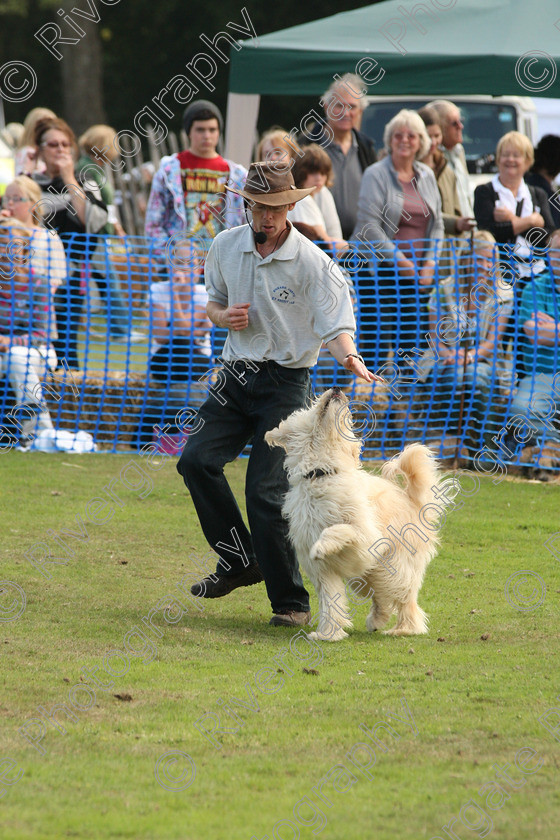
(14, 7)
(140, 45)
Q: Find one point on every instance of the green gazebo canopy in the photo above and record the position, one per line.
(496, 47)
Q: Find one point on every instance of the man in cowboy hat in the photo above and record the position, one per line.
(266, 285)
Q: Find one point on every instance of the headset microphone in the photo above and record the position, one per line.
(260, 236)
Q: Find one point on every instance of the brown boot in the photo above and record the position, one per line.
(290, 618)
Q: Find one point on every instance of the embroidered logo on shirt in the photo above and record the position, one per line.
(283, 294)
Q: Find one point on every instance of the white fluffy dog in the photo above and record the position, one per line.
(377, 532)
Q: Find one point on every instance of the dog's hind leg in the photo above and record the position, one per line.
(411, 620)
(333, 610)
(332, 540)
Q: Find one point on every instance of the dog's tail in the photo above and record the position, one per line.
(419, 469)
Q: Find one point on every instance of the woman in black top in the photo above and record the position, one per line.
(519, 218)
(69, 209)
(516, 214)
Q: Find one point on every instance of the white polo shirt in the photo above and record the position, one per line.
(298, 297)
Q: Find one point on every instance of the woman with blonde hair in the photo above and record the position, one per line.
(28, 160)
(509, 208)
(273, 146)
(518, 216)
(399, 211)
(22, 201)
(97, 145)
(26, 326)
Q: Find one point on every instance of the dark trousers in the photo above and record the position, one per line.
(68, 304)
(242, 408)
(176, 368)
(392, 315)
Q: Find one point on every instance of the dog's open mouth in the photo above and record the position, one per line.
(333, 395)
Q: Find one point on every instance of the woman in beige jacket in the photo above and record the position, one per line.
(453, 223)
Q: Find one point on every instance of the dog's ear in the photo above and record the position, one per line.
(275, 437)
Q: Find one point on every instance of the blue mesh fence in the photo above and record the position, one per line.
(100, 349)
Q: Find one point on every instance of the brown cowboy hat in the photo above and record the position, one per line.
(266, 185)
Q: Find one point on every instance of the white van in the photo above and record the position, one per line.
(486, 119)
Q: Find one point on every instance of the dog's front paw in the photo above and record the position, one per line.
(334, 636)
(376, 620)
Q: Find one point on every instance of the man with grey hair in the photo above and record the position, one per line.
(350, 151)
(452, 130)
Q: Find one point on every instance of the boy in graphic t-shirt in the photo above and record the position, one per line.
(203, 181)
(188, 196)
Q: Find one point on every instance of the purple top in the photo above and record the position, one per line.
(414, 219)
(26, 312)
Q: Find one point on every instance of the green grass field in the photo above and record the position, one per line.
(290, 765)
(104, 353)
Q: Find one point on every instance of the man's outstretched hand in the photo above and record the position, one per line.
(358, 368)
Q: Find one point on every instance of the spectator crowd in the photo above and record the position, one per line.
(455, 291)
